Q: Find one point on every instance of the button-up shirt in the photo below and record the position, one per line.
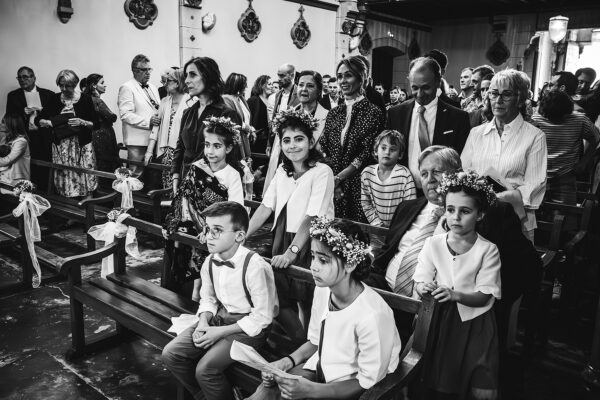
(517, 158)
(414, 147)
(227, 290)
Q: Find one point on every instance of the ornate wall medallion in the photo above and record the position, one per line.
(498, 53)
(366, 43)
(248, 24)
(141, 13)
(413, 50)
(193, 3)
(300, 31)
(64, 10)
(208, 22)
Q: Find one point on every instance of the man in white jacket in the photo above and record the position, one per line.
(138, 105)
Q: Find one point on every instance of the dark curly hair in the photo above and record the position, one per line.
(556, 105)
(352, 230)
(211, 76)
(314, 155)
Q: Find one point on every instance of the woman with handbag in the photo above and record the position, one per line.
(72, 118)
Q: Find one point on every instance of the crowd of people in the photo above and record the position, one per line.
(456, 177)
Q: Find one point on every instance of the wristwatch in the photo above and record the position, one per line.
(294, 249)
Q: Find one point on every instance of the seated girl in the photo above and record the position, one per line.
(352, 342)
(14, 156)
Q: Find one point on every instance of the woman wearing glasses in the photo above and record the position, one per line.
(510, 150)
(164, 136)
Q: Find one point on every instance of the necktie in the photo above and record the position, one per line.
(223, 263)
(404, 281)
(423, 131)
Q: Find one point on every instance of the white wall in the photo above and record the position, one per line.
(98, 38)
(273, 46)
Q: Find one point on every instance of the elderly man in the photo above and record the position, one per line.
(287, 96)
(424, 119)
(138, 103)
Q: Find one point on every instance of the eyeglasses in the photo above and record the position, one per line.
(506, 96)
(215, 233)
(24, 77)
(143, 69)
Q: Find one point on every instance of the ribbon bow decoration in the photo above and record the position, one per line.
(107, 233)
(31, 206)
(126, 184)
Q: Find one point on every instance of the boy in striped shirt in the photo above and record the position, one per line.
(386, 184)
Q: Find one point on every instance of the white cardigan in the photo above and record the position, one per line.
(161, 133)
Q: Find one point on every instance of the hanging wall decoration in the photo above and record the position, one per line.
(64, 10)
(300, 31)
(413, 50)
(498, 53)
(366, 43)
(248, 24)
(141, 13)
(208, 22)
(193, 4)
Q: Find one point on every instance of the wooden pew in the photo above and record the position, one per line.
(144, 308)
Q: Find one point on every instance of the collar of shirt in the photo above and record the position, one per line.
(34, 90)
(432, 105)
(237, 259)
(351, 102)
(430, 208)
(513, 126)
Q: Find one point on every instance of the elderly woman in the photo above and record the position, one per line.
(234, 98)
(14, 157)
(510, 150)
(164, 137)
(348, 137)
(203, 80)
(72, 117)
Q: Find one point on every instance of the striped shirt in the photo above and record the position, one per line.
(380, 199)
(564, 141)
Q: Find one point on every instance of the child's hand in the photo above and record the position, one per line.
(283, 364)
(295, 388)
(429, 287)
(212, 334)
(443, 294)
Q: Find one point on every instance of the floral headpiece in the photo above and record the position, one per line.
(353, 251)
(123, 173)
(469, 179)
(305, 118)
(115, 213)
(23, 186)
(225, 123)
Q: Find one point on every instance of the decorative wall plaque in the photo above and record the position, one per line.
(413, 50)
(248, 24)
(193, 4)
(366, 43)
(208, 22)
(64, 10)
(141, 13)
(300, 31)
(498, 53)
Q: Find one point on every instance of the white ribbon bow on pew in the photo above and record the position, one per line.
(107, 233)
(31, 206)
(126, 184)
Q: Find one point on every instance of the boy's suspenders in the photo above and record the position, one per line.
(244, 270)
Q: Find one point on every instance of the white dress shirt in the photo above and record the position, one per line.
(477, 270)
(359, 342)
(408, 239)
(414, 147)
(517, 159)
(228, 291)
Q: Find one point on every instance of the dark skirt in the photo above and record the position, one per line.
(289, 290)
(465, 354)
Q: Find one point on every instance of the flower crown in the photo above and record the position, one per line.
(353, 251)
(123, 173)
(469, 179)
(115, 213)
(305, 118)
(225, 123)
(23, 186)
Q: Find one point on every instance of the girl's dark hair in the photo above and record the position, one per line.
(235, 84)
(15, 127)
(480, 198)
(353, 231)
(556, 105)
(318, 81)
(314, 155)
(233, 157)
(258, 84)
(87, 84)
(211, 75)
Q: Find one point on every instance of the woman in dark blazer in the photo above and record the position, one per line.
(259, 113)
(234, 98)
(203, 80)
(348, 136)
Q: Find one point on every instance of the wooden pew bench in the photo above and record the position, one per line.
(144, 308)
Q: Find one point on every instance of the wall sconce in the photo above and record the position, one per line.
(558, 28)
(64, 10)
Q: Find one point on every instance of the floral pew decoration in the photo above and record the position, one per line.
(126, 184)
(111, 229)
(31, 206)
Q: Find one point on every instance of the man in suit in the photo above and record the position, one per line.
(286, 98)
(334, 92)
(28, 101)
(424, 120)
(324, 101)
(138, 103)
(445, 93)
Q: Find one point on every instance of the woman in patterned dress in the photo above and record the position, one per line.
(348, 136)
(76, 149)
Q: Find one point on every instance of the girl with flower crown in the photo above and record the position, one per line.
(461, 270)
(212, 178)
(302, 188)
(352, 337)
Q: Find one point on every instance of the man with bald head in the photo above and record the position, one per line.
(424, 120)
(286, 97)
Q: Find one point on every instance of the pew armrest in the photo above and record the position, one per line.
(390, 385)
(98, 200)
(91, 257)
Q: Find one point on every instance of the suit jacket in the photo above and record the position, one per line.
(232, 103)
(135, 110)
(292, 102)
(325, 102)
(521, 265)
(451, 129)
(259, 119)
(16, 103)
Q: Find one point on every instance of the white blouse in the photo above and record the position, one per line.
(477, 270)
(311, 194)
(359, 342)
(231, 179)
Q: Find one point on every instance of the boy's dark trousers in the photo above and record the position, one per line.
(201, 370)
